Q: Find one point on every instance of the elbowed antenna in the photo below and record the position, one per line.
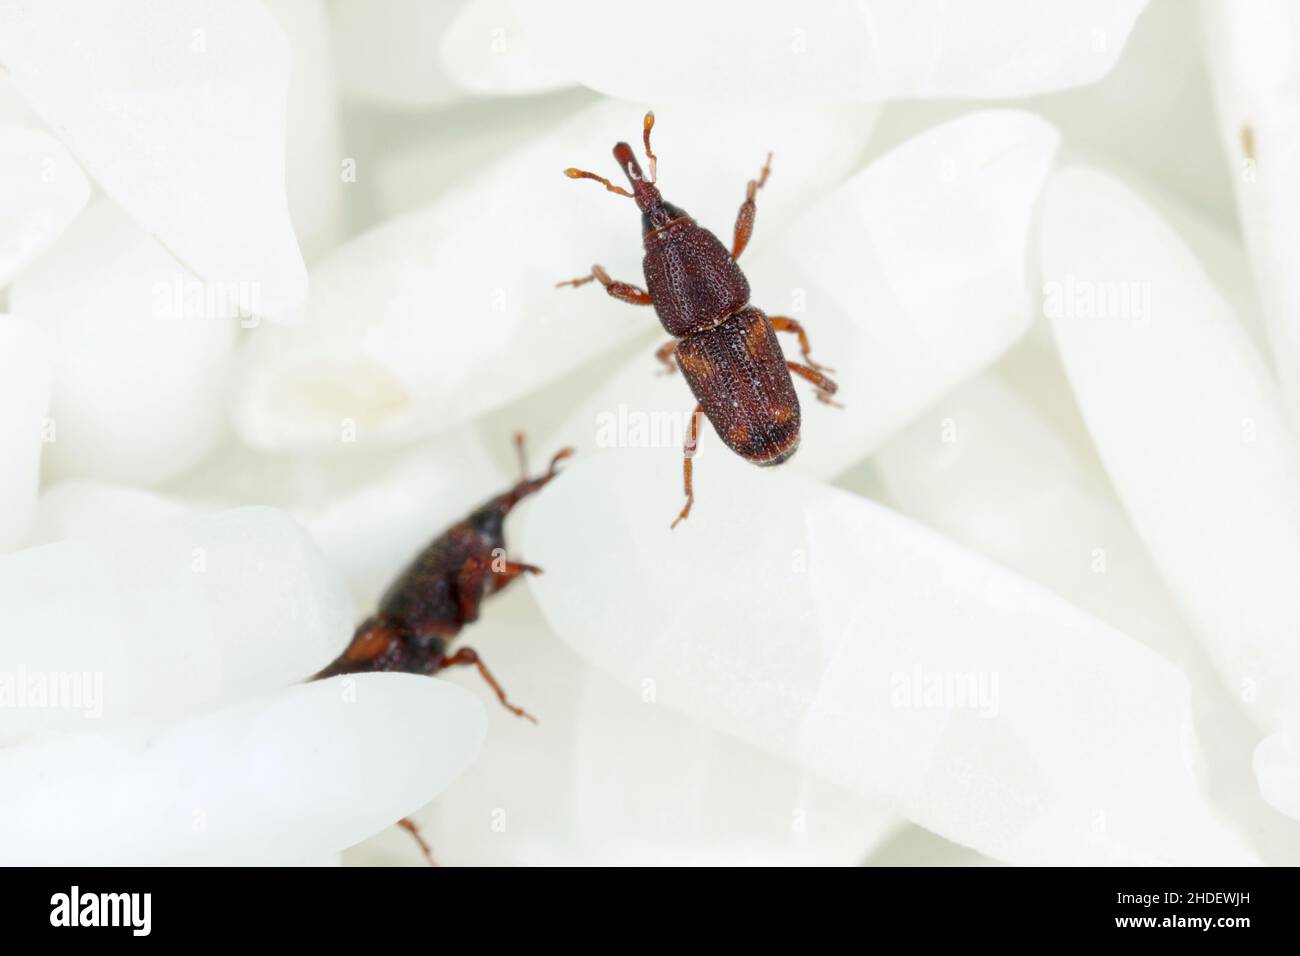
(644, 191)
(575, 173)
(647, 125)
(644, 187)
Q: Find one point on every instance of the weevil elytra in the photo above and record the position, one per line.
(725, 347)
(441, 591)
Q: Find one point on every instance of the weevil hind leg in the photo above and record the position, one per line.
(468, 657)
(688, 453)
(825, 387)
(665, 355)
(748, 209)
(623, 291)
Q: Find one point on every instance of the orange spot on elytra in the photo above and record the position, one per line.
(695, 363)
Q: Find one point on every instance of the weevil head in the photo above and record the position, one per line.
(655, 211)
(489, 518)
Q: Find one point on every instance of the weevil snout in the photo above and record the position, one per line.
(656, 212)
(643, 189)
(489, 518)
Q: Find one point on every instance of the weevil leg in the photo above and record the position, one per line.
(782, 323)
(688, 452)
(407, 824)
(748, 209)
(624, 291)
(665, 355)
(825, 387)
(468, 657)
(508, 571)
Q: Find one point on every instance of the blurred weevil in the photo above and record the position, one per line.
(439, 593)
(726, 348)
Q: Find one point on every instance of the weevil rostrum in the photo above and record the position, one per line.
(726, 348)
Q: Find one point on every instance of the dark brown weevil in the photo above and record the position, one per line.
(441, 591)
(438, 594)
(726, 348)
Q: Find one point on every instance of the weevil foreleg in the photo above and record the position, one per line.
(407, 824)
(688, 452)
(825, 387)
(468, 657)
(665, 355)
(748, 209)
(623, 291)
(782, 323)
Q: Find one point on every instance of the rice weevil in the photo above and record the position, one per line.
(725, 347)
(439, 593)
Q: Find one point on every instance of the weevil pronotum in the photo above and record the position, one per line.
(439, 593)
(726, 348)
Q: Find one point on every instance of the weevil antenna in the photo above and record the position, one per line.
(573, 173)
(530, 486)
(649, 124)
(553, 469)
(522, 455)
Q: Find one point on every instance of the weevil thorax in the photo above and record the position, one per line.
(691, 277)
